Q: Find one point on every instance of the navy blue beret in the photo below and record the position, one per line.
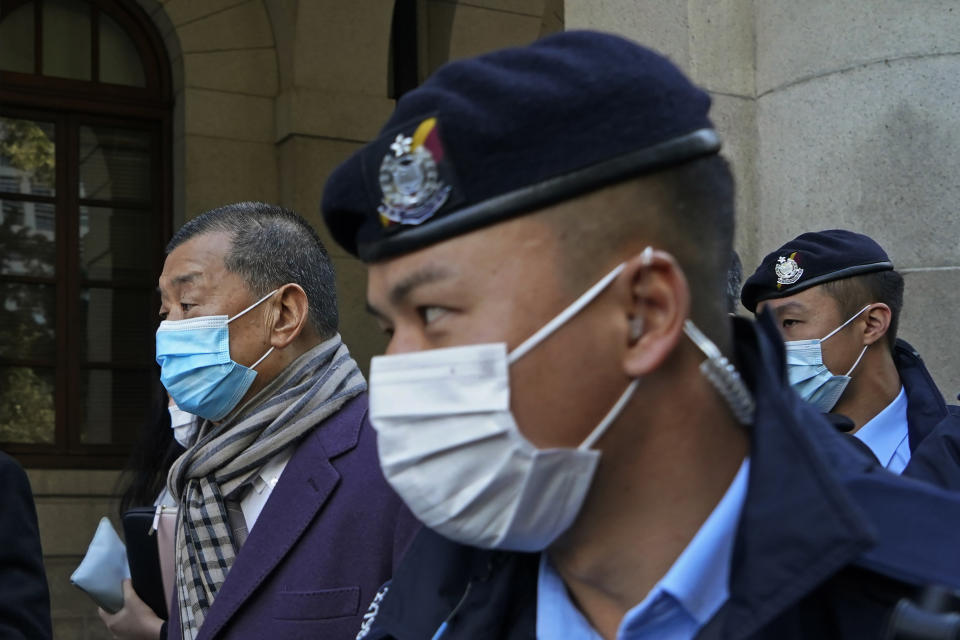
(492, 137)
(811, 259)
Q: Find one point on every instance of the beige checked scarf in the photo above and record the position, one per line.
(229, 455)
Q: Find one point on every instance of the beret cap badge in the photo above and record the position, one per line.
(511, 132)
(787, 270)
(409, 179)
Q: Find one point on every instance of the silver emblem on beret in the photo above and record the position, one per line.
(787, 270)
(412, 190)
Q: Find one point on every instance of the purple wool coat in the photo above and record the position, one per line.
(329, 536)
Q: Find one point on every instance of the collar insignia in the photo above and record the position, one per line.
(409, 179)
(787, 270)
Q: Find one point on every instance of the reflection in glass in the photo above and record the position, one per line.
(113, 405)
(27, 321)
(112, 243)
(114, 164)
(27, 238)
(117, 325)
(119, 58)
(16, 36)
(27, 156)
(66, 39)
(26, 404)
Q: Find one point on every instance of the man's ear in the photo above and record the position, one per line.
(877, 319)
(658, 306)
(291, 313)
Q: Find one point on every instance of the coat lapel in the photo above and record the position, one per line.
(925, 405)
(307, 483)
(799, 525)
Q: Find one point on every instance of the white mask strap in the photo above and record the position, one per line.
(262, 358)
(611, 416)
(859, 358)
(852, 318)
(564, 315)
(251, 307)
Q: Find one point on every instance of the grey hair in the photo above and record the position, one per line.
(272, 246)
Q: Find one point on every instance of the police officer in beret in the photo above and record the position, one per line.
(837, 298)
(596, 447)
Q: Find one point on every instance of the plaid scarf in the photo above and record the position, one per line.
(230, 454)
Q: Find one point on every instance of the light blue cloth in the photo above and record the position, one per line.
(104, 568)
(680, 604)
(887, 434)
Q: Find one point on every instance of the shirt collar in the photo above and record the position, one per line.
(700, 576)
(557, 617)
(698, 579)
(886, 431)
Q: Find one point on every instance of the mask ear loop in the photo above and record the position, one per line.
(252, 306)
(612, 415)
(270, 350)
(262, 358)
(636, 323)
(636, 330)
(859, 358)
(852, 318)
(564, 316)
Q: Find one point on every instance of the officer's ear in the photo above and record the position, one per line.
(877, 319)
(289, 316)
(658, 305)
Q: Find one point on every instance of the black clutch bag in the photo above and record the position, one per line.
(144, 558)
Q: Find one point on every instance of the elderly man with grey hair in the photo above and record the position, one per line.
(271, 539)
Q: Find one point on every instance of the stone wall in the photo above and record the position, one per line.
(835, 113)
(69, 507)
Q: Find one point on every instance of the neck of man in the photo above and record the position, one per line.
(874, 384)
(666, 464)
(277, 361)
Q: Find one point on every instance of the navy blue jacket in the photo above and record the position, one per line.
(934, 426)
(24, 598)
(827, 543)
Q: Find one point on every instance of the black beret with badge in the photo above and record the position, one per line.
(503, 134)
(811, 259)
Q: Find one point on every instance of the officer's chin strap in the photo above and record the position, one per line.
(723, 375)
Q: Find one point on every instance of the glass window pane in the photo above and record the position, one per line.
(116, 244)
(113, 405)
(27, 238)
(114, 164)
(66, 39)
(27, 411)
(117, 325)
(119, 58)
(16, 39)
(27, 157)
(27, 321)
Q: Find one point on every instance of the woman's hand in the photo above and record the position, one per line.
(135, 621)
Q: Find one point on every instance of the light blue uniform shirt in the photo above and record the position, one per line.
(680, 604)
(887, 434)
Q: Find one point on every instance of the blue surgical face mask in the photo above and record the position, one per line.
(810, 378)
(196, 368)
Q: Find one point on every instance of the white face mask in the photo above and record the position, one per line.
(451, 448)
(184, 426)
(810, 378)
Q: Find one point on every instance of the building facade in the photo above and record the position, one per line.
(119, 120)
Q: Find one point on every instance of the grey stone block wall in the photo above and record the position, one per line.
(835, 113)
(70, 504)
